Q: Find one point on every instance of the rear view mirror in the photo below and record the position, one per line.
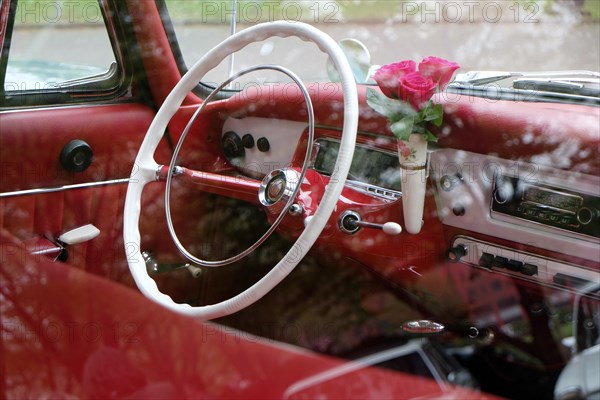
(359, 59)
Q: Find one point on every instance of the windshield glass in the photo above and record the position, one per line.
(543, 35)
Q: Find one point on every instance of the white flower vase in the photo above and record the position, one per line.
(413, 160)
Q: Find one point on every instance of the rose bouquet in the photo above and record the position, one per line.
(406, 91)
(405, 100)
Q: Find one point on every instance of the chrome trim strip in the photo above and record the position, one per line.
(377, 191)
(28, 192)
(363, 145)
(62, 106)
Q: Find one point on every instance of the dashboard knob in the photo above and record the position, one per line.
(248, 141)
(457, 252)
(391, 228)
(263, 144)
(296, 210)
(458, 210)
(232, 145)
(504, 192)
(585, 215)
(449, 182)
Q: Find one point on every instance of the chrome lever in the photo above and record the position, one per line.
(350, 222)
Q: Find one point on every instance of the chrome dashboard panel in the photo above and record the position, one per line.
(524, 265)
(374, 171)
(563, 209)
(282, 137)
(473, 177)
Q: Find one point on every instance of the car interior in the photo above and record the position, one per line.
(164, 236)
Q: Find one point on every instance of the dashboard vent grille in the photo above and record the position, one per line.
(388, 194)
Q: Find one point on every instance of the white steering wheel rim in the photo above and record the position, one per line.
(145, 168)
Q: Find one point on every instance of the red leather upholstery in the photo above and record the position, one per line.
(66, 333)
(50, 215)
(31, 144)
(32, 141)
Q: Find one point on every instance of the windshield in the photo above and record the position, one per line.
(543, 35)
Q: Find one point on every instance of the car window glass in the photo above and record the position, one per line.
(482, 35)
(50, 45)
(200, 25)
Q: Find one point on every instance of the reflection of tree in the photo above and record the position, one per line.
(164, 350)
(328, 304)
(546, 347)
(23, 326)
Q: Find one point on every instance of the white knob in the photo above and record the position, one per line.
(391, 228)
(79, 235)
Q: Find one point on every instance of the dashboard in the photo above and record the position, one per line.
(487, 201)
(373, 170)
(257, 146)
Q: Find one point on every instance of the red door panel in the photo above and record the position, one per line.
(31, 143)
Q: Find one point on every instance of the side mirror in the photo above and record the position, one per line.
(359, 59)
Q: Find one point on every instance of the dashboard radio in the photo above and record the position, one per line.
(559, 208)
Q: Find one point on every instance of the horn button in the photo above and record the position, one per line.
(277, 188)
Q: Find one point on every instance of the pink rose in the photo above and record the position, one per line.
(387, 77)
(439, 70)
(416, 89)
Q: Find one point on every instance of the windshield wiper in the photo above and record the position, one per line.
(578, 86)
(477, 78)
(482, 77)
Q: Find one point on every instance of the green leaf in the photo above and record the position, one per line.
(430, 137)
(393, 110)
(419, 129)
(403, 128)
(434, 114)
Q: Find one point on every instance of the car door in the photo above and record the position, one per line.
(73, 115)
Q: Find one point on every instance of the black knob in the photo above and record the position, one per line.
(248, 141)
(486, 260)
(514, 265)
(457, 252)
(529, 269)
(458, 210)
(76, 156)
(263, 144)
(232, 145)
(500, 262)
(586, 215)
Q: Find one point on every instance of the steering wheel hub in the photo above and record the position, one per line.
(277, 188)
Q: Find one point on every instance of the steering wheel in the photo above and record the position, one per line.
(146, 168)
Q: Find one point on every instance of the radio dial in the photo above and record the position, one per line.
(503, 193)
(585, 215)
(553, 207)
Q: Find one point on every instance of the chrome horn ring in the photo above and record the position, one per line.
(292, 192)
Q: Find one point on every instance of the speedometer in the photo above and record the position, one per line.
(370, 166)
